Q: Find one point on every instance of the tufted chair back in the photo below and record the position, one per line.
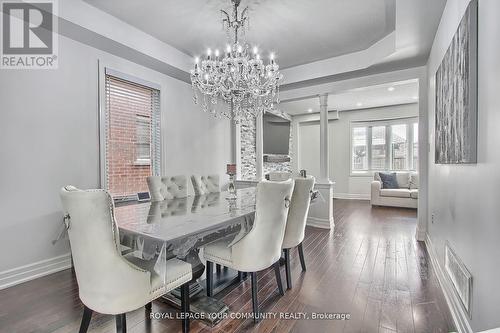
(167, 187)
(205, 184)
(297, 214)
(107, 282)
(279, 176)
(261, 247)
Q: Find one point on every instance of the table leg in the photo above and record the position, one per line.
(199, 302)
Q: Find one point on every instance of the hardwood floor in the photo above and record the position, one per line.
(370, 267)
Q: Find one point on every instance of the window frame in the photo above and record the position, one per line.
(156, 125)
(387, 123)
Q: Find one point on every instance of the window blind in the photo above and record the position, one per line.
(143, 139)
(132, 136)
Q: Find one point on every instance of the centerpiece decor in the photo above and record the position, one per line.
(231, 172)
(237, 76)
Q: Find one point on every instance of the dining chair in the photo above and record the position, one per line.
(260, 248)
(167, 187)
(296, 223)
(279, 176)
(108, 282)
(205, 184)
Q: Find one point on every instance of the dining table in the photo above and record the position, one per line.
(179, 228)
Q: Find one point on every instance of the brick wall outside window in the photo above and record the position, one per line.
(129, 106)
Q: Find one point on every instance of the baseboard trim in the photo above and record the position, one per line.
(35, 270)
(320, 223)
(420, 235)
(351, 196)
(460, 317)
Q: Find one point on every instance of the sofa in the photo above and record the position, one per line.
(404, 196)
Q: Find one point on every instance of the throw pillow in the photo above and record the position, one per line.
(403, 179)
(389, 180)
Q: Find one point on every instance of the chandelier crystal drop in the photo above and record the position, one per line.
(238, 76)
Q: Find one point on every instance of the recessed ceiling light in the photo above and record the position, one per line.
(391, 88)
(359, 104)
(309, 110)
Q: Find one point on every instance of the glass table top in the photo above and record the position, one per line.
(176, 219)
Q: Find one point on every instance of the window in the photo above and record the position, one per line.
(132, 135)
(378, 148)
(384, 145)
(399, 147)
(359, 145)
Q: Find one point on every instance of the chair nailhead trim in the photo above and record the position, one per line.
(178, 278)
(214, 256)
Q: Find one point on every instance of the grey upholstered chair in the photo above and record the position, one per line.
(296, 223)
(167, 187)
(108, 282)
(260, 248)
(205, 184)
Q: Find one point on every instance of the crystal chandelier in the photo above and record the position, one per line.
(237, 77)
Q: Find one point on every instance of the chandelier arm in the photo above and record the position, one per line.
(244, 16)
(227, 18)
(235, 22)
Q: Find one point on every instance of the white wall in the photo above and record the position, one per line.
(49, 138)
(346, 186)
(464, 198)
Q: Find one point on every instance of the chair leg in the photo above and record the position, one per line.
(255, 302)
(149, 306)
(87, 315)
(278, 277)
(287, 269)
(210, 273)
(301, 257)
(185, 307)
(121, 323)
(242, 276)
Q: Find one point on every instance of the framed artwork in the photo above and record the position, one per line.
(456, 95)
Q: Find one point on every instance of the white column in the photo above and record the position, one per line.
(323, 133)
(321, 211)
(259, 146)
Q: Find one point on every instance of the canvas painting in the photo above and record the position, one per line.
(456, 95)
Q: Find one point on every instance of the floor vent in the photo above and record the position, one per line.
(459, 276)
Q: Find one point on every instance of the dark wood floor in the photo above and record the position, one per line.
(370, 266)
